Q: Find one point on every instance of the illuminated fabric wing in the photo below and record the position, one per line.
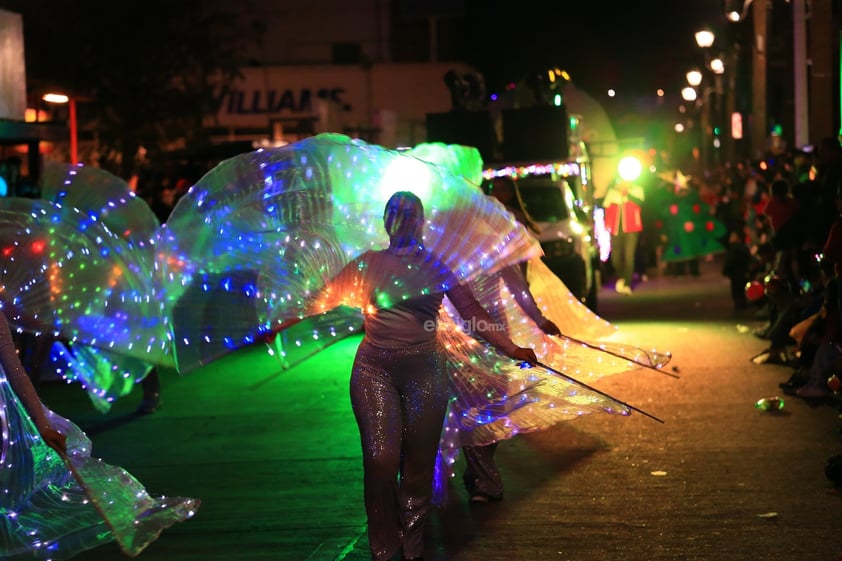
(533, 399)
(46, 513)
(101, 195)
(578, 322)
(464, 161)
(560, 306)
(269, 228)
(494, 399)
(108, 199)
(104, 375)
(68, 275)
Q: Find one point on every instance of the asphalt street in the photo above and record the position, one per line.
(274, 456)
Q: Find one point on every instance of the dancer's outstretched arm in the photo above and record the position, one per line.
(23, 388)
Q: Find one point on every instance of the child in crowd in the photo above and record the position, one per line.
(736, 266)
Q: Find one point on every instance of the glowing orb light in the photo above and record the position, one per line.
(629, 168)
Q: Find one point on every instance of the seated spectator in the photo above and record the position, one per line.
(809, 332)
(780, 210)
(760, 269)
(787, 312)
(828, 356)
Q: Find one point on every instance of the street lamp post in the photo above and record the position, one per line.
(72, 121)
(704, 39)
(717, 66)
(731, 135)
(758, 79)
(689, 94)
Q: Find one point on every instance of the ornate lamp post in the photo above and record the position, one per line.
(717, 66)
(690, 95)
(704, 39)
(72, 122)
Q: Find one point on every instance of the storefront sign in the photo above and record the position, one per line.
(274, 101)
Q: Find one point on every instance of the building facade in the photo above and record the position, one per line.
(384, 103)
(372, 71)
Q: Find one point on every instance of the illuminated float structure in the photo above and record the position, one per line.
(539, 144)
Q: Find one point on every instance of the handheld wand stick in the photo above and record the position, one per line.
(597, 348)
(591, 388)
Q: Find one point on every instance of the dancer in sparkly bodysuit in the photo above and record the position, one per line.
(399, 387)
(297, 216)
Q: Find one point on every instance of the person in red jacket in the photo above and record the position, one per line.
(623, 220)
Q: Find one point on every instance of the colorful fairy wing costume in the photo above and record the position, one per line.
(104, 197)
(53, 508)
(561, 306)
(464, 161)
(536, 398)
(80, 273)
(48, 514)
(93, 212)
(495, 399)
(291, 218)
(65, 275)
(470, 233)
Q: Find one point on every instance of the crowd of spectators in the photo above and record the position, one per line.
(783, 259)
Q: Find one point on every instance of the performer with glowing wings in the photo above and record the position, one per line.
(275, 228)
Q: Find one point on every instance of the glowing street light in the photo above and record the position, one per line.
(735, 10)
(689, 93)
(694, 77)
(74, 132)
(704, 38)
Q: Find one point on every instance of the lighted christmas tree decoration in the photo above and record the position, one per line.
(688, 228)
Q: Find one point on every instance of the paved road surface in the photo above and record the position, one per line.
(275, 457)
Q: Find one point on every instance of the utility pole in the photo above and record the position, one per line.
(823, 44)
(731, 70)
(758, 82)
(799, 58)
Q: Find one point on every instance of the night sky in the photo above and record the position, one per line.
(634, 47)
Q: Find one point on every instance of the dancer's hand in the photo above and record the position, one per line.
(525, 354)
(550, 328)
(54, 439)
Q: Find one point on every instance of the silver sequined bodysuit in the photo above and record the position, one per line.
(399, 387)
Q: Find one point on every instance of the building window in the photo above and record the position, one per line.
(346, 53)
